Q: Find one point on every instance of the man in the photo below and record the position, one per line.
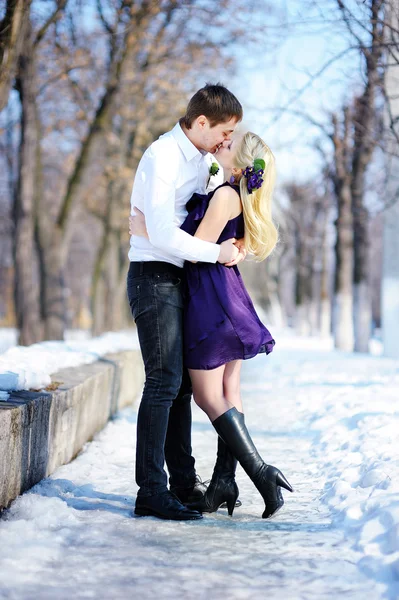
(170, 171)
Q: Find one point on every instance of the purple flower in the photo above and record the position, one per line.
(254, 178)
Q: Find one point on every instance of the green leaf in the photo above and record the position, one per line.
(259, 164)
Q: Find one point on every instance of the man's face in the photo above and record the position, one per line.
(213, 137)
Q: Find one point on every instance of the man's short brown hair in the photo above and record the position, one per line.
(215, 102)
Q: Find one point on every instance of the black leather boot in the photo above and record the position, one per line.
(222, 489)
(190, 494)
(267, 479)
(165, 506)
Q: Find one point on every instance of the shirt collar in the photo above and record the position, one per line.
(187, 147)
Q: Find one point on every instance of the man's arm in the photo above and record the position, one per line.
(160, 177)
(229, 249)
(242, 253)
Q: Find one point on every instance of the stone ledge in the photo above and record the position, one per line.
(41, 431)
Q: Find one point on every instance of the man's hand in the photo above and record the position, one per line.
(137, 224)
(228, 251)
(242, 253)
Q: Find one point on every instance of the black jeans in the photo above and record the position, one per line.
(164, 417)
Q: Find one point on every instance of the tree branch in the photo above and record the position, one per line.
(303, 89)
(61, 4)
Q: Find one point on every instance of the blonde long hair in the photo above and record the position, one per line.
(260, 232)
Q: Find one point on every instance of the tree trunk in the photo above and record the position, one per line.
(270, 301)
(274, 309)
(325, 300)
(303, 288)
(27, 303)
(365, 139)
(13, 29)
(116, 291)
(361, 287)
(305, 233)
(53, 283)
(390, 282)
(97, 294)
(343, 302)
(343, 299)
(314, 304)
(390, 268)
(362, 153)
(108, 293)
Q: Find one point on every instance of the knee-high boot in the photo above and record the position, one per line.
(267, 479)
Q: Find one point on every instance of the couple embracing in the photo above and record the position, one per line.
(195, 320)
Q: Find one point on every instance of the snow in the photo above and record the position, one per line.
(328, 419)
(30, 367)
(8, 338)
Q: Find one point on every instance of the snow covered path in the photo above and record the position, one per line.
(314, 414)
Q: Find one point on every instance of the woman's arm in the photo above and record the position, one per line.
(137, 224)
(224, 205)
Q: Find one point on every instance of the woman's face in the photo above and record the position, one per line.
(226, 154)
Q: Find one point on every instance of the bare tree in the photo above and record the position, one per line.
(27, 290)
(366, 135)
(307, 218)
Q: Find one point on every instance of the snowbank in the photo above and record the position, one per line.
(351, 402)
(24, 368)
(39, 431)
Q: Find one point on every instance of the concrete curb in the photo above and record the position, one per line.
(41, 431)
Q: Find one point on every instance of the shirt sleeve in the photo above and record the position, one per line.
(159, 178)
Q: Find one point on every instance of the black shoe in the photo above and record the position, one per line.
(267, 479)
(165, 506)
(222, 490)
(192, 493)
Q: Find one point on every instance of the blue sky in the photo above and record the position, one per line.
(274, 80)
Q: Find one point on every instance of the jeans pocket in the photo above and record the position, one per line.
(168, 283)
(169, 290)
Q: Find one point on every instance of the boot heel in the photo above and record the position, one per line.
(282, 482)
(231, 504)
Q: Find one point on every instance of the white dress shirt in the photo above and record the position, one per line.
(171, 170)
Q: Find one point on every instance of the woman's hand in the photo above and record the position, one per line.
(137, 224)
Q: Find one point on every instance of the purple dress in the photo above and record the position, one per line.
(220, 321)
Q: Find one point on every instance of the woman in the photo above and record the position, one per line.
(221, 327)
